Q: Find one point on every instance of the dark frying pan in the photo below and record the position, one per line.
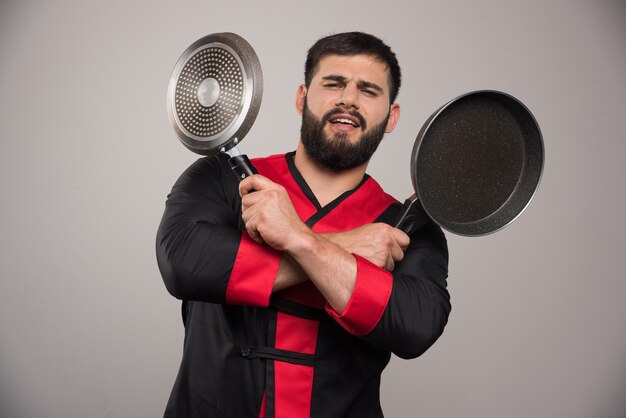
(214, 97)
(475, 165)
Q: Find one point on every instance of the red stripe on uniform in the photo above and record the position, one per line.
(366, 204)
(293, 382)
(276, 169)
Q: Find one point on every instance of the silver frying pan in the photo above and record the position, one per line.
(214, 97)
(475, 165)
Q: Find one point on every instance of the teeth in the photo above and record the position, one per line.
(342, 120)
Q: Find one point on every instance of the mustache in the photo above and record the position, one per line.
(352, 113)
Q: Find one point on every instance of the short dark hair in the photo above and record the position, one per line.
(354, 43)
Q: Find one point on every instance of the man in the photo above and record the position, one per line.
(295, 288)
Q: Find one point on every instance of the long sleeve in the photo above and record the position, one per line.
(404, 311)
(419, 304)
(201, 251)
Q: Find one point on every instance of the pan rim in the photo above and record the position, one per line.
(535, 182)
(250, 68)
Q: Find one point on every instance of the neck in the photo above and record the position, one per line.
(326, 184)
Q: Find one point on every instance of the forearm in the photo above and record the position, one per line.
(192, 267)
(201, 251)
(329, 258)
(332, 269)
(289, 274)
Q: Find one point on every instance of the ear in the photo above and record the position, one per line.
(394, 115)
(300, 99)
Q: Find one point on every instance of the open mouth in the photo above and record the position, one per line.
(345, 119)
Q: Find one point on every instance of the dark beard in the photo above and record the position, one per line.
(338, 154)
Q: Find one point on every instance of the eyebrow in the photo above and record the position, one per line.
(360, 83)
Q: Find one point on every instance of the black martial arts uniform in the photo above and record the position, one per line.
(251, 353)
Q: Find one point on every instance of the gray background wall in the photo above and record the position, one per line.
(88, 156)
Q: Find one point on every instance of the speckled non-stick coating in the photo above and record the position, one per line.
(477, 162)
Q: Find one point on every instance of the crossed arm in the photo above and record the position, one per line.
(200, 239)
(325, 259)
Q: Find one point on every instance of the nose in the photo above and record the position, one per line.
(349, 97)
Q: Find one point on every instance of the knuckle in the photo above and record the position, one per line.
(380, 227)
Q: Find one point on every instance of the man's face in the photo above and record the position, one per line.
(345, 110)
(338, 153)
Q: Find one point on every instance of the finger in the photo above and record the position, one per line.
(245, 186)
(247, 212)
(251, 223)
(250, 199)
(254, 183)
(389, 265)
(401, 238)
(254, 235)
(396, 252)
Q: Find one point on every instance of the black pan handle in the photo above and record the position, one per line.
(242, 167)
(412, 216)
